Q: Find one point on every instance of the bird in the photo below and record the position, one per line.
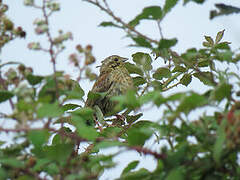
(114, 80)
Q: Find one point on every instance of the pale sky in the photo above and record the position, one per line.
(187, 23)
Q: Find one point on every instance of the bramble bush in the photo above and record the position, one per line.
(206, 148)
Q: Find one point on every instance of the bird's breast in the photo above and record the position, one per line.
(122, 81)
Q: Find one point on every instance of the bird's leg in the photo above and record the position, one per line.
(120, 117)
(119, 121)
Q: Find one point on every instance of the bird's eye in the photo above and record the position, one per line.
(115, 59)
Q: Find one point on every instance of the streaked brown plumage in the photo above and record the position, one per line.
(114, 80)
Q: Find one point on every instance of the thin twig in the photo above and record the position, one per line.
(148, 151)
(160, 29)
(119, 20)
(50, 50)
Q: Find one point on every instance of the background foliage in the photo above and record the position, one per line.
(50, 126)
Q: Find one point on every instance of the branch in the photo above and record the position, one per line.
(119, 20)
(50, 50)
(148, 151)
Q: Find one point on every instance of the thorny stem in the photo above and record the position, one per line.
(50, 50)
(147, 151)
(173, 53)
(170, 87)
(119, 20)
(74, 136)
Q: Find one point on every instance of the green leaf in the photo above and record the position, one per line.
(169, 4)
(203, 62)
(206, 44)
(204, 77)
(223, 45)
(186, 79)
(3, 172)
(70, 106)
(12, 162)
(53, 168)
(167, 43)
(133, 118)
(33, 80)
(76, 93)
(83, 130)
(151, 13)
(191, 102)
(179, 69)
(2, 142)
(224, 10)
(25, 177)
(41, 163)
(176, 97)
(209, 40)
(5, 95)
(225, 56)
(84, 112)
(59, 152)
(176, 174)
(109, 24)
(143, 59)
(219, 36)
(38, 137)
(140, 174)
(48, 91)
(138, 135)
(161, 73)
(154, 96)
(219, 144)
(49, 110)
(133, 69)
(138, 81)
(176, 158)
(142, 42)
(222, 91)
(132, 165)
(128, 100)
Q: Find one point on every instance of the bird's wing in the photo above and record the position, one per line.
(102, 84)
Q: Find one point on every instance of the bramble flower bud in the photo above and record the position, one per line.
(20, 32)
(53, 6)
(74, 59)
(28, 2)
(21, 68)
(4, 8)
(88, 48)
(8, 24)
(39, 22)
(23, 90)
(11, 74)
(90, 60)
(79, 48)
(34, 46)
(41, 29)
(62, 37)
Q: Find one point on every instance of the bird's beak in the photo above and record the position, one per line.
(124, 59)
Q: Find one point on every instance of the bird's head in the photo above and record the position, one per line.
(111, 63)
